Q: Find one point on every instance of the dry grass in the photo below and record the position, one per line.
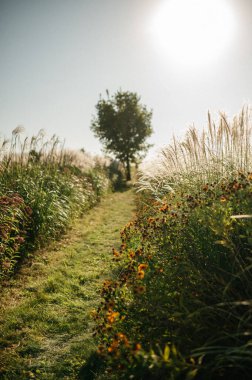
(217, 152)
(21, 150)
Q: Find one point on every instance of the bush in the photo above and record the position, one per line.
(116, 175)
(42, 190)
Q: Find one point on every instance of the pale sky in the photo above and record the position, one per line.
(57, 56)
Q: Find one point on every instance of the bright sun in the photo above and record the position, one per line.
(193, 33)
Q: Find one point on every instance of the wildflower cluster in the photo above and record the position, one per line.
(183, 286)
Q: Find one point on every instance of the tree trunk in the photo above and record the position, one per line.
(128, 175)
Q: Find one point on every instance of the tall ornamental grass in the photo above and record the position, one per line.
(180, 306)
(42, 188)
(214, 154)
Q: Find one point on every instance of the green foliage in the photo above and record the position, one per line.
(45, 315)
(116, 175)
(123, 125)
(184, 282)
(14, 219)
(184, 278)
(42, 191)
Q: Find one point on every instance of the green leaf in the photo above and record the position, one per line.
(166, 354)
(191, 374)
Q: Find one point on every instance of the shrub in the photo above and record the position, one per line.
(116, 175)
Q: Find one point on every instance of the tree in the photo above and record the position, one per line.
(122, 124)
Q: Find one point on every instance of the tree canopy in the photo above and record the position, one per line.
(123, 124)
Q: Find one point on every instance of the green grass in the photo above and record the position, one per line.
(45, 318)
(42, 189)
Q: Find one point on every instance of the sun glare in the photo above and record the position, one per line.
(193, 33)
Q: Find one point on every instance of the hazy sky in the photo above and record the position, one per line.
(57, 56)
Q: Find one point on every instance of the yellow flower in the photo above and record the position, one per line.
(140, 274)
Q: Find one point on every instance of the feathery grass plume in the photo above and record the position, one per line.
(209, 156)
(83, 160)
(3, 148)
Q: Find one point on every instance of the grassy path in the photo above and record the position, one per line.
(45, 317)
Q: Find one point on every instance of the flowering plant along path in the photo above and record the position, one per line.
(46, 310)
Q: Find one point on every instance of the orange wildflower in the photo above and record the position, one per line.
(138, 347)
(142, 267)
(151, 220)
(122, 338)
(132, 254)
(140, 274)
(112, 315)
(114, 346)
(164, 207)
(115, 252)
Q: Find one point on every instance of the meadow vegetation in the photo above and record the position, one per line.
(42, 188)
(180, 304)
(176, 299)
(46, 308)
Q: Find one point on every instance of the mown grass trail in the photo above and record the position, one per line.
(45, 317)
